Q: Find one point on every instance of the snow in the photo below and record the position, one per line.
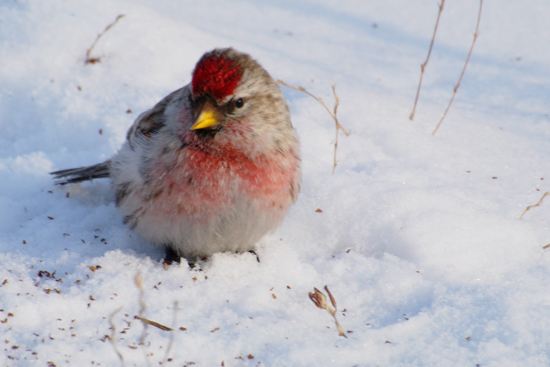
(418, 239)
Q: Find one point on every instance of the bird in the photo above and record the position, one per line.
(213, 167)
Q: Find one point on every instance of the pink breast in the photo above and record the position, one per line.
(203, 183)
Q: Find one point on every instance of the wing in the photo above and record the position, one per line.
(151, 121)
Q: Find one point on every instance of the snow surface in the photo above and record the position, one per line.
(418, 239)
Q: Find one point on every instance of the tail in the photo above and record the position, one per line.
(74, 175)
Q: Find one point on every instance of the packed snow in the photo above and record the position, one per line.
(416, 236)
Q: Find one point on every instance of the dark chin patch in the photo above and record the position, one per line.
(208, 133)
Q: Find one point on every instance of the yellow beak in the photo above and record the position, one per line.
(207, 118)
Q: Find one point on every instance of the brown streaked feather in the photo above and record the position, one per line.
(151, 121)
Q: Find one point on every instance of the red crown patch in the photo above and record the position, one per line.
(216, 75)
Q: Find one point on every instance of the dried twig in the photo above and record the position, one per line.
(156, 324)
(89, 58)
(320, 300)
(138, 280)
(466, 62)
(333, 113)
(538, 203)
(425, 63)
(546, 247)
(112, 337)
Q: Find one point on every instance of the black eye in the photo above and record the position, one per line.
(239, 103)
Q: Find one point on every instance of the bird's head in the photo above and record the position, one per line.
(234, 98)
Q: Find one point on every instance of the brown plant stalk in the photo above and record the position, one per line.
(425, 63)
(333, 113)
(466, 62)
(320, 301)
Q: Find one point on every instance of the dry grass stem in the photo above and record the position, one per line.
(331, 297)
(112, 337)
(538, 203)
(91, 59)
(466, 62)
(425, 63)
(171, 340)
(138, 281)
(320, 301)
(333, 113)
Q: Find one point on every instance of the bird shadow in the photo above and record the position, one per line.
(69, 225)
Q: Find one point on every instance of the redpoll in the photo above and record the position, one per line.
(212, 167)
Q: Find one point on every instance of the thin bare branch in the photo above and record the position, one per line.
(333, 114)
(538, 203)
(425, 63)
(546, 247)
(89, 58)
(466, 62)
(112, 337)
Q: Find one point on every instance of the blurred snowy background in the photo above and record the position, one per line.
(418, 237)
